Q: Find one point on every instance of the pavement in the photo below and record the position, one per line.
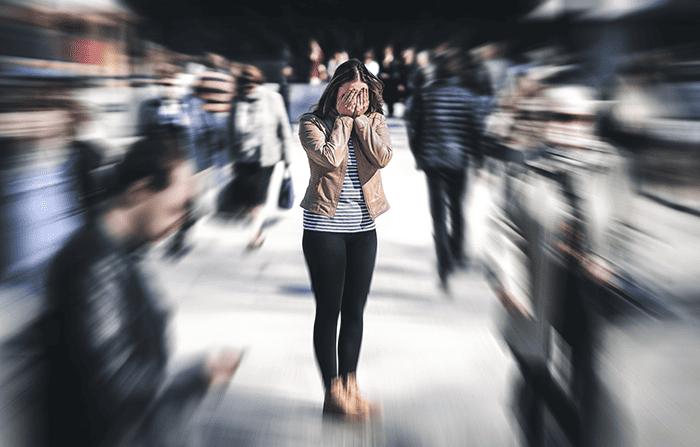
(434, 362)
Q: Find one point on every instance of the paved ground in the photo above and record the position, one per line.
(434, 362)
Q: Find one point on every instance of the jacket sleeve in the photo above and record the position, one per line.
(327, 152)
(375, 143)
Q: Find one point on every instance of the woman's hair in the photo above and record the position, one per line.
(350, 71)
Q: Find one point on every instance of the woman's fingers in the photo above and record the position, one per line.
(364, 98)
(351, 99)
(356, 101)
(362, 102)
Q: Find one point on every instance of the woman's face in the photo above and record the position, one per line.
(355, 85)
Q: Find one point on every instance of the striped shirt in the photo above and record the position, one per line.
(352, 215)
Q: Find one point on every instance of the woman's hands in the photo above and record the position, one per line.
(353, 102)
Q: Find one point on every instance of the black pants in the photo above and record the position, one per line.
(446, 189)
(340, 267)
(251, 183)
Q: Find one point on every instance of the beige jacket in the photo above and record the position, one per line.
(326, 144)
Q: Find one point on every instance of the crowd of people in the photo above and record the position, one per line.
(101, 332)
(396, 71)
(93, 327)
(561, 151)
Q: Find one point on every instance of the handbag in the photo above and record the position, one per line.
(286, 198)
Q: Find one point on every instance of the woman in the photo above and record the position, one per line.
(347, 141)
(260, 138)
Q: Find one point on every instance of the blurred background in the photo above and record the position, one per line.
(587, 117)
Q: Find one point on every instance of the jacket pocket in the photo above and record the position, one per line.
(375, 199)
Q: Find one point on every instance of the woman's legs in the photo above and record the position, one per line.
(325, 258)
(340, 266)
(361, 255)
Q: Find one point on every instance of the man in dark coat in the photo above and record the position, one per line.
(105, 328)
(443, 134)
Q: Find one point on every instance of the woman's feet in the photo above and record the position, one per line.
(363, 405)
(337, 402)
(343, 399)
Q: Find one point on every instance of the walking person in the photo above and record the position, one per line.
(208, 109)
(442, 135)
(171, 109)
(390, 75)
(347, 142)
(371, 63)
(104, 331)
(316, 56)
(261, 137)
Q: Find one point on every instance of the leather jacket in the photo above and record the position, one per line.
(325, 141)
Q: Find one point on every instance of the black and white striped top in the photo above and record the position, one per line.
(352, 215)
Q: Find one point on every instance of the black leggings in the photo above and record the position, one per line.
(340, 267)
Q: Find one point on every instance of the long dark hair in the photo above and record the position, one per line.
(350, 71)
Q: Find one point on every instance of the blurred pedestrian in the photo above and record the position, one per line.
(46, 191)
(167, 107)
(207, 109)
(209, 106)
(286, 73)
(371, 62)
(425, 70)
(173, 108)
(347, 142)
(261, 137)
(390, 76)
(406, 67)
(338, 58)
(421, 75)
(443, 134)
(43, 200)
(89, 158)
(316, 59)
(492, 60)
(574, 253)
(105, 327)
